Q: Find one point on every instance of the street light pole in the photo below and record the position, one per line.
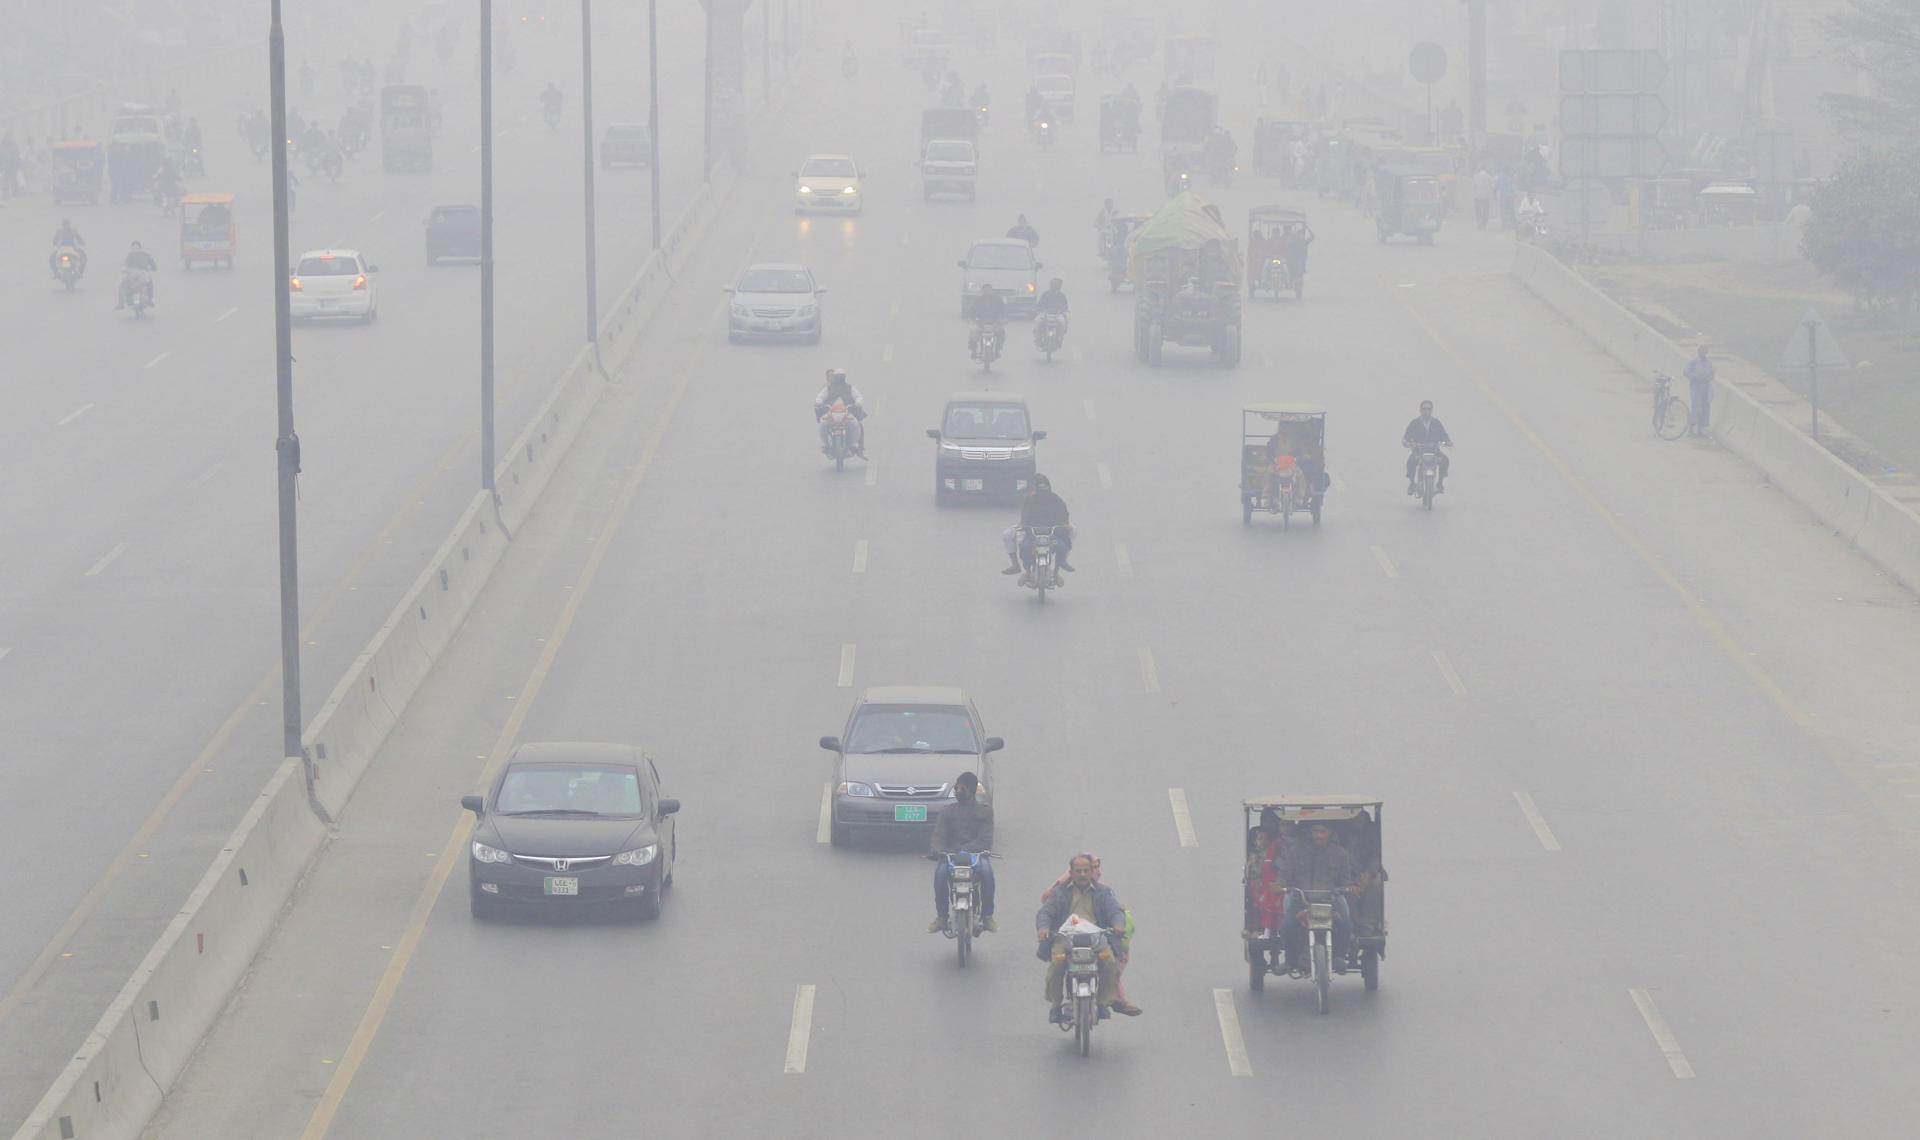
(706, 170)
(586, 159)
(766, 52)
(486, 245)
(287, 442)
(653, 113)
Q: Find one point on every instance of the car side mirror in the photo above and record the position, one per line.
(473, 804)
(1038, 436)
(726, 288)
(933, 433)
(994, 744)
(669, 807)
(373, 269)
(818, 292)
(793, 174)
(830, 743)
(962, 263)
(1039, 265)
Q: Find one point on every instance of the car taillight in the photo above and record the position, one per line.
(296, 284)
(360, 282)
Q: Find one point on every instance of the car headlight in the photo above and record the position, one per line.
(737, 310)
(848, 190)
(806, 189)
(953, 447)
(484, 854)
(638, 857)
(808, 310)
(853, 789)
(1030, 287)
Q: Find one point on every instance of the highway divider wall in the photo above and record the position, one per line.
(120, 1075)
(1882, 527)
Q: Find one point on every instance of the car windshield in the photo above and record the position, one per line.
(775, 281)
(1000, 257)
(1055, 83)
(829, 168)
(569, 789)
(327, 267)
(949, 151)
(986, 421)
(912, 728)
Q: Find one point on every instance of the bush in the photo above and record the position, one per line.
(1864, 231)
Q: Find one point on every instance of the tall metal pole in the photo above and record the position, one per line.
(766, 52)
(706, 169)
(1476, 76)
(653, 112)
(1813, 373)
(486, 245)
(287, 443)
(586, 161)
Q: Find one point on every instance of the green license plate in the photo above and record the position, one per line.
(910, 813)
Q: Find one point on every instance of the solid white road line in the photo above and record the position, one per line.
(1662, 1036)
(886, 355)
(1149, 676)
(873, 472)
(860, 557)
(825, 833)
(1182, 818)
(158, 359)
(1106, 477)
(1386, 564)
(1124, 559)
(1532, 811)
(198, 480)
(225, 315)
(1230, 1034)
(75, 414)
(1088, 405)
(846, 666)
(801, 1030)
(1454, 682)
(106, 560)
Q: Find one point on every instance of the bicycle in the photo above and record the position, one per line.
(1670, 415)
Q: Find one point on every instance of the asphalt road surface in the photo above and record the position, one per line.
(1643, 728)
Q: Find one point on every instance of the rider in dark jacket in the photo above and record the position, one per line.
(1426, 429)
(67, 235)
(966, 826)
(1041, 507)
(140, 260)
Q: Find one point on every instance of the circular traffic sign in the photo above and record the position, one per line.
(1428, 63)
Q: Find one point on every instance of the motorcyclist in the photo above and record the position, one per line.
(1025, 232)
(1041, 507)
(1082, 895)
(840, 390)
(951, 91)
(550, 101)
(1101, 223)
(989, 318)
(1317, 865)
(1036, 106)
(68, 236)
(1122, 947)
(1054, 300)
(966, 826)
(138, 261)
(166, 182)
(978, 100)
(1425, 429)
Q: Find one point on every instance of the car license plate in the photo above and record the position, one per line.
(328, 304)
(768, 326)
(973, 484)
(558, 886)
(910, 813)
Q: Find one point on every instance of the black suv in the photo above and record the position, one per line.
(985, 447)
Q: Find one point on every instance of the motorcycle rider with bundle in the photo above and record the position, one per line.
(966, 826)
(1424, 429)
(68, 237)
(840, 391)
(1083, 895)
(140, 268)
(1041, 507)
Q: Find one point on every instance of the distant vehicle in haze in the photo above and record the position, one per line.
(1008, 265)
(453, 231)
(331, 283)
(829, 182)
(949, 166)
(776, 302)
(896, 761)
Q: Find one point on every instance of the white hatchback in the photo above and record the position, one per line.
(332, 283)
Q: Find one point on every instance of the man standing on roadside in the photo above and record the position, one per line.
(1482, 197)
(1700, 390)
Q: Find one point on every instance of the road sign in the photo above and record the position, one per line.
(1634, 114)
(1812, 343)
(1428, 63)
(1622, 156)
(1611, 71)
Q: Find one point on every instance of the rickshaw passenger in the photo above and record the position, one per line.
(214, 215)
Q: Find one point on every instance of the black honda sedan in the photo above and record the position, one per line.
(570, 825)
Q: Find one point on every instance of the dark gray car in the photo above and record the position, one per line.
(571, 825)
(985, 447)
(896, 762)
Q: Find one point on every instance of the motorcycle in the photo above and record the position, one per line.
(1042, 572)
(1426, 472)
(1043, 133)
(1049, 332)
(137, 288)
(849, 67)
(839, 445)
(66, 266)
(984, 344)
(193, 164)
(552, 115)
(980, 114)
(1177, 182)
(1315, 910)
(1080, 1011)
(964, 899)
(326, 161)
(1531, 228)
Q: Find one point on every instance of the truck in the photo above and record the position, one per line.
(406, 127)
(1186, 270)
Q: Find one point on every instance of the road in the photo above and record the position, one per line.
(138, 581)
(1642, 728)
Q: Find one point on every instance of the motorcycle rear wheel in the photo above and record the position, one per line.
(1323, 973)
(962, 938)
(1084, 1015)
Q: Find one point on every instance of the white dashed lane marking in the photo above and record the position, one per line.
(1149, 673)
(1386, 564)
(846, 666)
(860, 557)
(1538, 822)
(159, 358)
(75, 414)
(1448, 672)
(106, 560)
(801, 1029)
(1123, 559)
(1106, 477)
(1237, 1063)
(1662, 1036)
(1182, 818)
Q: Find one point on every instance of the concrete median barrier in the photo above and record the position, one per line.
(121, 1073)
(1858, 510)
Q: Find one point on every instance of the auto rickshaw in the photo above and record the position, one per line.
(206, 229)
(1283, 461)
(1275, 911)
(1120, 227)
(1273, 139)
(1277, 239)
(1728, 204)
(1119, 122)
(79, 171)
(1406, 202)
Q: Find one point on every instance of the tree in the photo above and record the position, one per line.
(1882, 39)
(1864, 227)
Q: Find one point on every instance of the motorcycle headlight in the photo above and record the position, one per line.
(856, 789)
(484, 854)
(638, 857)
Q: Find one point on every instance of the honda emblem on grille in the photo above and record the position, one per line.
(561, 864)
